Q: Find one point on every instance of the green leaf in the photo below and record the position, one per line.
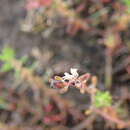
(102, 99)
(3, 104)
(33, 66)
(127, 3)
(6, 67)
(7, 54)
(17, 74)
(24, 59)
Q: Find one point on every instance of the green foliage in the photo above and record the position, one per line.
(3, 103)
(102, 99)
(24, 59)
(6, 56)
(126, 2)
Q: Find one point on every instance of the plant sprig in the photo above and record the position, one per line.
(7, 56)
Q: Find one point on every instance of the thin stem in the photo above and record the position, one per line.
(108, 70)
(87, 122)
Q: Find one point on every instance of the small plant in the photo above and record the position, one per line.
(102, 99)
(8, 57)
(98, 98)
(127, 3)
(3, 104)
(74, 80)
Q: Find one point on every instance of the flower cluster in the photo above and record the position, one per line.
(73, 79)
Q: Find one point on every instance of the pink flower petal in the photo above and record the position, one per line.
(32, 4)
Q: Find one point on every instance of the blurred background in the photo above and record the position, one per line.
(54, 36)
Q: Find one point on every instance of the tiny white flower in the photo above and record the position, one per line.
(67, 76)
(74, 74)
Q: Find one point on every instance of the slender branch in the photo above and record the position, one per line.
(85, 123)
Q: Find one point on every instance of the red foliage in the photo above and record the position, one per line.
(48, 108)
(52, 119)
(106, 1)
(45, 2)
(33, 4)
(47, 120)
